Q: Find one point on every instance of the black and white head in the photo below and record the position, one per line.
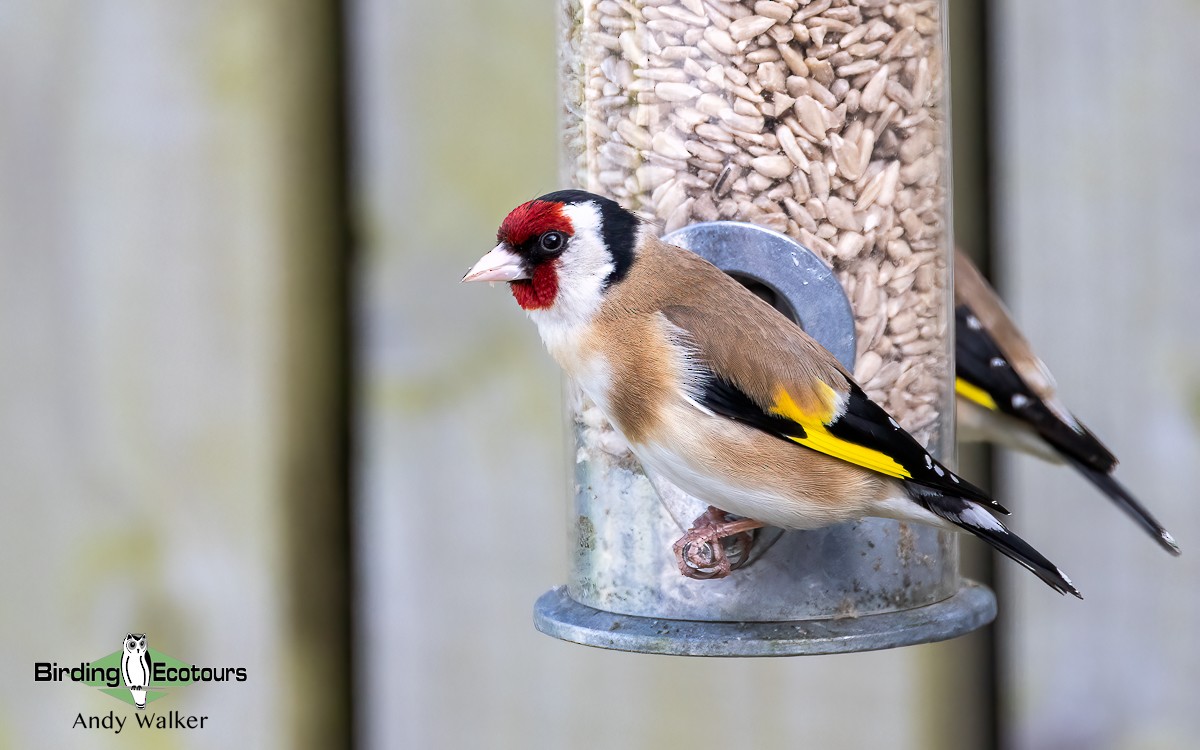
(134, 643)
(559, 253)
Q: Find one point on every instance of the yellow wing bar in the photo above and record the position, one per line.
(974, 394)
(819, 438)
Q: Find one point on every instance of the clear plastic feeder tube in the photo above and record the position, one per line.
(825, 121)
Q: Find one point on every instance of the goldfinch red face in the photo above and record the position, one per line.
(559, 253)
(531, 240)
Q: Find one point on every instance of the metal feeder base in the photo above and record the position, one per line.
(561, 616)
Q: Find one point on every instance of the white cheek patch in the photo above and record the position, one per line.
(582, 270)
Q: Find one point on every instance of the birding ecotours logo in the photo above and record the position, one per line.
(137, 675)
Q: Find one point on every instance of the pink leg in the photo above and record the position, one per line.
(704, 551)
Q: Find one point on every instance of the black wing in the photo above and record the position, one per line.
(861, 435)
(982, 364)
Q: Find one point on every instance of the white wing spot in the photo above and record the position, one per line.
(893, 423)
(954, 479)
(998, 362)
(1019, 401)
(938, 471)
(928, 461)
(973, 323)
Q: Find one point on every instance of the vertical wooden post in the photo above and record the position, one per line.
(962, 674)
(172, 441)
(317, 373)
(1098, 238)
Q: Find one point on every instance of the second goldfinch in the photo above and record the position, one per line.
(1006, 395)
(716, 391)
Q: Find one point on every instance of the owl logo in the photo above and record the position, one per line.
(136, 667)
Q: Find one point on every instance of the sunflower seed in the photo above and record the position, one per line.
(749, 27)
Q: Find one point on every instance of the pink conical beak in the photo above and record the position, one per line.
(501, 264)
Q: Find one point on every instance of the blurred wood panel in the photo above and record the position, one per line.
(167, 404)
(1097, 208)
(461, 520)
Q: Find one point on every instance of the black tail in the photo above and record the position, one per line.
(1128, 503)
(972, 517)
(1074, 442)
(980, 362)
(1082, 450)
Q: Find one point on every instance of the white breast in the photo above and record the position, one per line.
(688, 464)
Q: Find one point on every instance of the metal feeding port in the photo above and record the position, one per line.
(858, 586)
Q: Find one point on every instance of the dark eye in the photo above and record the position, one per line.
(552, 242)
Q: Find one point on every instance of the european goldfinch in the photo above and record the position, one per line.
(1008, 396)
(717, 392)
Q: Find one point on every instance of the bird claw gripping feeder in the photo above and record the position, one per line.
(822, 124)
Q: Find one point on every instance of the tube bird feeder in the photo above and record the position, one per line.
(820, 127)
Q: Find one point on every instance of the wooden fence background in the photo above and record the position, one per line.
(1096, 168)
